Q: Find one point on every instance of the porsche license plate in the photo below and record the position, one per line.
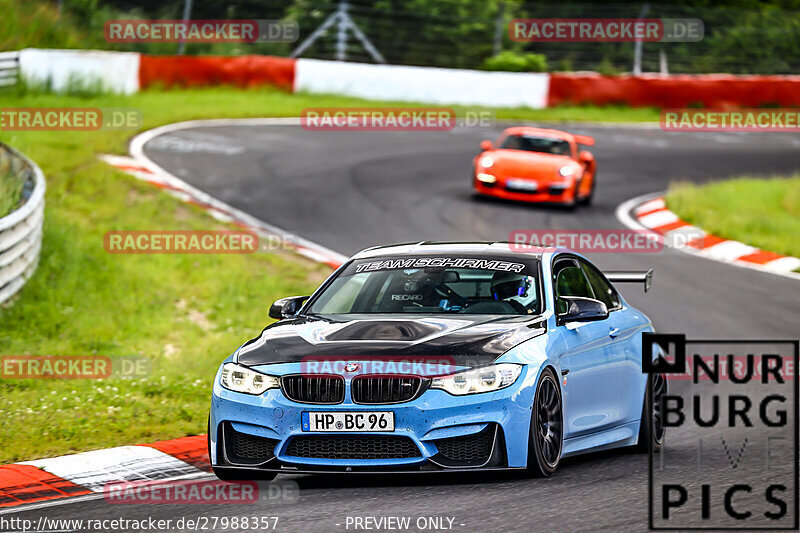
(347, 421)
(522, 185)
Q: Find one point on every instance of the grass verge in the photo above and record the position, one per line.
(184, 312)
(760, 212)
(10, 187)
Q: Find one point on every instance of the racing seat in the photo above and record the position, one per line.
(505, 285)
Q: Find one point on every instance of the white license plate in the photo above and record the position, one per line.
(522, 185)
(347, 421)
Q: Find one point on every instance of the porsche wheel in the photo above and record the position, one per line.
(575, 201)
(653, 433)
(588, 200)
(547, 427)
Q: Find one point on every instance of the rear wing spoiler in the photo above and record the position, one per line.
(636, 276)
(584, 139)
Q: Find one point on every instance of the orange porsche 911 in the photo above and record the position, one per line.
(536, 165)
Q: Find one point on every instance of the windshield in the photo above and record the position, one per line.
(474, 285)
(528, 143)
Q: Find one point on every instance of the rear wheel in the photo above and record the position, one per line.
(653, 433)
(547, 427)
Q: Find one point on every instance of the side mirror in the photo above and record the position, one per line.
(581, 309)
(486, 145)
(286, 307)
(585, 157)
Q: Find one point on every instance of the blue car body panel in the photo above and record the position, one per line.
(598, 365)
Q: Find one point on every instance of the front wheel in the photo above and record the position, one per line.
(652, 430)
(588, 200)
(547, 427)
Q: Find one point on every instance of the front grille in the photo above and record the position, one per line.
(313, 389)
(242, 448)
(472, 448)
(366, 389)
(352, 447)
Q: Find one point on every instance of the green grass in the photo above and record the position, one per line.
(10, 187)
(760, 212)
(38, 24)
(184, 312)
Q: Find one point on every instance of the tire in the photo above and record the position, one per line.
(234, 475)
(475, 195)
(588, 200)
(545, 439)
(652, 435)
(572, 204)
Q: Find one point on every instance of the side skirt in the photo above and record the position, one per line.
(616, 437)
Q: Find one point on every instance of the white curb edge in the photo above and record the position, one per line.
(624, 215)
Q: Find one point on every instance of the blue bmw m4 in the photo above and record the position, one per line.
(432, 357)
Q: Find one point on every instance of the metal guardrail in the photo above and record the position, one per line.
(20, 230)
(9, 69)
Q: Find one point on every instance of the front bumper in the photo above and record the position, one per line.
(549, 193)
(439, 429)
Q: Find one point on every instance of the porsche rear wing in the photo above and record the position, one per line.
(631, 276)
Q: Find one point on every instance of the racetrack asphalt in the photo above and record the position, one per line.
(350, 190)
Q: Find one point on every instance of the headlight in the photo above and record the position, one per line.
(486, 379)
(485, 178)
(241, 379)
(566, 171)
(486, 161)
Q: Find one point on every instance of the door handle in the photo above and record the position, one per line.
(614, 333)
